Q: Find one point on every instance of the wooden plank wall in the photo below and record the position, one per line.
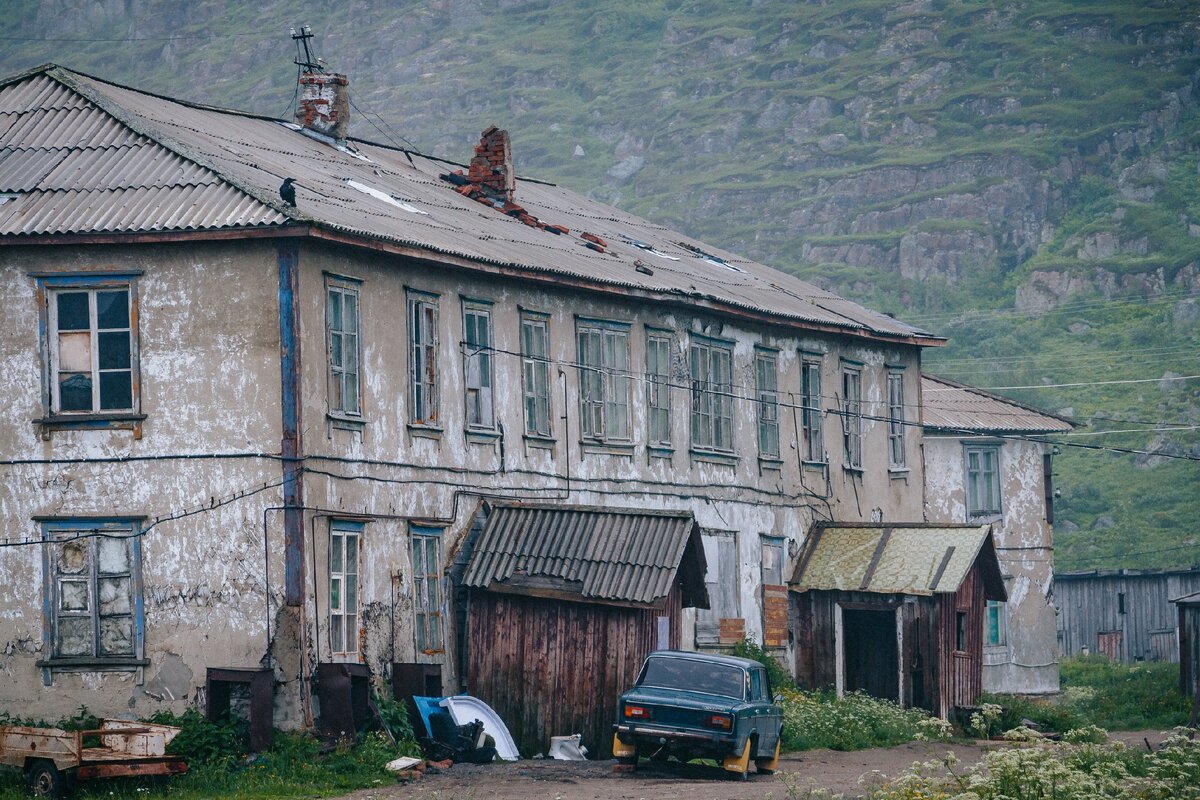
(555, 668)
(961, 671)
(1189, 650)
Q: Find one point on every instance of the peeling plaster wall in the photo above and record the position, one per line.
(209, 344)
(1028, 662)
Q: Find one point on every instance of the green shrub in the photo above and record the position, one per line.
(1123, 696)
(854, 721)
(780, 677)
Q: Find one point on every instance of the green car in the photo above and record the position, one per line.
(697, 705)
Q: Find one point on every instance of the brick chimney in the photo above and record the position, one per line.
(492, 166)
(324, 103)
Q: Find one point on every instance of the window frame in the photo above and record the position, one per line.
(59, 530)
(535, 376)
(852, 417)
(708, 621)
(427, 586)
(610, 341)
(812, 417)
(660, 346)
(897, 444)
(767, 405)
(483, 402)
(423, 376)
(970, 496)
(48, 286)
(995, 620)
(343, 287)
(712, 394)
(345, 530)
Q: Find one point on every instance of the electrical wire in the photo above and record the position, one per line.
(367, 116)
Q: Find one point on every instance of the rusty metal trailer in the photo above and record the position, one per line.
(53, 759)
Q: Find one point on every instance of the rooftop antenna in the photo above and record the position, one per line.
(309, 64)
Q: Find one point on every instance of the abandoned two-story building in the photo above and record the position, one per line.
(415, 413)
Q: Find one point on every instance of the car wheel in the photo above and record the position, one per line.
(767, 766)
(44, 780)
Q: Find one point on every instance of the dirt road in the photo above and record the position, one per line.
(833, 771)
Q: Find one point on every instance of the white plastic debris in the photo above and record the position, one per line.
(568, 748)
(401, 764)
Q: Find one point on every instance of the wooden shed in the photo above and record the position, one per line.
(1189, 648)
(895, 611)
(563, 605)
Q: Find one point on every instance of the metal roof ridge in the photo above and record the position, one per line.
(998, 398)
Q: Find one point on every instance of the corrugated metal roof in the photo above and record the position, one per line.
(600, 554)
(893, 559)
(55, 109)
(953, 406)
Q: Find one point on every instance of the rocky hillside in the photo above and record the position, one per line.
(1021, 176)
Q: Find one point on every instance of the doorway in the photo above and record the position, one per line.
(870, 654)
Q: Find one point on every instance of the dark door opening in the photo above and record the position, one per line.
(869, 653)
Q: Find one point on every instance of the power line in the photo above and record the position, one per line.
(1080, 383)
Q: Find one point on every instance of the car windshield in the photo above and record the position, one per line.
(695, 676)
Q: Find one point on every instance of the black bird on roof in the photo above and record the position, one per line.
(287, 191)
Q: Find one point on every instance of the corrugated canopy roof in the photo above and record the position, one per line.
(80, 155)
(918, 559)
(589, 554)
(953, 406)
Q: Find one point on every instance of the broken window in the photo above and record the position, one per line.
(344, 539)
(995, 623)
(427, 590)
(535, 368)
(852, 420)
(983, 481)
(712, 395)
(897, 458)
(92, 345)
(93, 591)
(658, 388)
(477, 364)
(766, 384)
(774, 594)
(603, 355)
(721, 581)
(422, 345)
(342, 338)
(810, 401)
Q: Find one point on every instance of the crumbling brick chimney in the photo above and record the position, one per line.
(492, 166)
(324, 103)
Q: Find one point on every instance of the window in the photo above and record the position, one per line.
(983, 481)
(897, 458)
(658, 388)
(766, 384)
(604, 380)
(535, 366)
(342, 335)
(721, 581)
(852, 421)
(92, 346)
(960, 631)
(712, 395)
(344, 539)
(93, 591)
(427, 591)
(477, 364)
(995, 623)
(422, 346)
(810, 400)
(774, 594)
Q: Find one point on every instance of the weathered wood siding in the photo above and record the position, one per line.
(1091, 611)
(961, 669)
(555, 668)
(1189, 649)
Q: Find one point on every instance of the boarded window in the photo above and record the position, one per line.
(422, 341)
(712, 395)
(983, 481)
(658, 388)
(535, 367)
(95, 611)
(721, 581)
(342, 341)
(995, 623)
(477, 365)
(897, 456)
(810, 399)
(766, 384)
(344, 540)
(604, 380)
(852, 419)
(427, 589)
(774, 594)
(92, 349)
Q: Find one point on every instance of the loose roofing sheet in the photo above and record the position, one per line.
(918, 559)
(79, 155)
(953, 406)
